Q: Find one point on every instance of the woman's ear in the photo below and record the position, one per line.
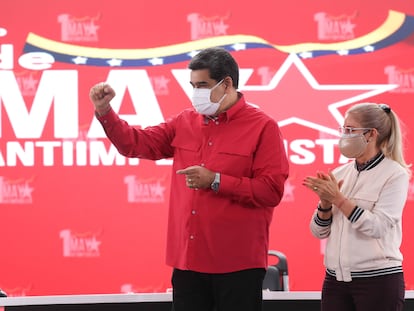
(373, 134)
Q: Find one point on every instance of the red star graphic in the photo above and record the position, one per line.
(294, 96)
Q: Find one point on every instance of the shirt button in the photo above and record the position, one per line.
(210, 143)
(193, 212)
(217, 122)
(202, 164)
(191, 237)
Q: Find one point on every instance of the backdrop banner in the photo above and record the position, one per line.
(76, 217)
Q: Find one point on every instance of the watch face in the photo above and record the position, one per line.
(216, 183)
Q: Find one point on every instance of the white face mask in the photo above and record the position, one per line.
(352, 145)
(202, 103)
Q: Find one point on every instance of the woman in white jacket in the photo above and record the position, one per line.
(360, 214)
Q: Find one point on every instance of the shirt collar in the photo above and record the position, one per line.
(226, 116)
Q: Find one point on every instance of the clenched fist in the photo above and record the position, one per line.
(101, 95)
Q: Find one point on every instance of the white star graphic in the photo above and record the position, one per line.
(342, 52)
(369, 48)
(80, 60)
(30, 83)
(158, 190)
(156, 61)
(114, 62)
(93, 244)
(306, 54)
(27, 191)
(288, 193)
(239, 46)
(193, 53)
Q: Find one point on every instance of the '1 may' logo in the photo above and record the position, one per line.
(15, 191)
(79, 244)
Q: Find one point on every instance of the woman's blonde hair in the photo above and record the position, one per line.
(386, 122)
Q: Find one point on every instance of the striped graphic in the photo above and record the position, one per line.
(396, 28)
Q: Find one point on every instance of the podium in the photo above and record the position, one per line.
(272, 300)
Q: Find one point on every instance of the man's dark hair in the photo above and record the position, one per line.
(219, 62)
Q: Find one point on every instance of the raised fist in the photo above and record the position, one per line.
(101, 95)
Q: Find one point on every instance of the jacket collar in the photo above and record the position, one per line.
(370, 163)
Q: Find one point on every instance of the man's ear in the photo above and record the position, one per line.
(228, 82)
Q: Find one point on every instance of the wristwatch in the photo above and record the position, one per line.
(216, 183)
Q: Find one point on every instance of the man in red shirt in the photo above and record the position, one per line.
(230, 166)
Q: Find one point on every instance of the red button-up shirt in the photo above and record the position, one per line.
(207, 231)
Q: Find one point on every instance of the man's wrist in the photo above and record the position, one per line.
(103, 110)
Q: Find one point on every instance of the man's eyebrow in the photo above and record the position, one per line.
(200, 83)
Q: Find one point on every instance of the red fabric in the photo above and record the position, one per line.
(207, 231)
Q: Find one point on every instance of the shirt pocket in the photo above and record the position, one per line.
(186, 151)
(235, 160)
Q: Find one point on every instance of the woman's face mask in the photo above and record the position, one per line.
(202, 103)
(352, 145)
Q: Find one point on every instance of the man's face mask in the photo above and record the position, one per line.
(202, 103)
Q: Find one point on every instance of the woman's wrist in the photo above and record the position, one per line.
(340, 203)
(324, 209)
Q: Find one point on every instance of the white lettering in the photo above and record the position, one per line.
(36, 61)
(306, 151)
(48, 148)
(24, 154)
(101, 155)
(143, 98)
(302, 156)
(72, 153)
(328, 147)
(6, 56)
(31, 61)
(59, 87)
